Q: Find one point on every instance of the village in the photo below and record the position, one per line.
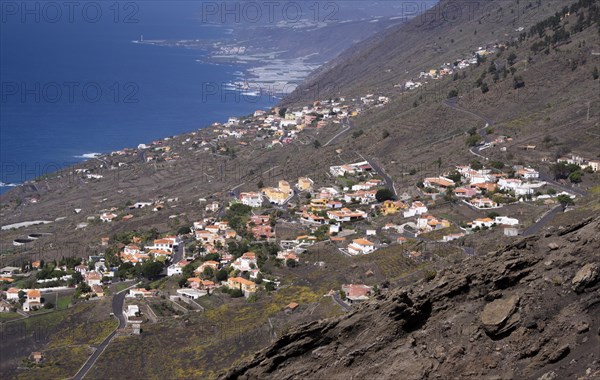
(226, 250)
(245, 243)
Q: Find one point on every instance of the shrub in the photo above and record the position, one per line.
(357, 134)
(429, 275)
(472, 140)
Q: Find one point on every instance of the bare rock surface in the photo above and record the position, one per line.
(492, 317)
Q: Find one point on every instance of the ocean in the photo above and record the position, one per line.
(74, 83)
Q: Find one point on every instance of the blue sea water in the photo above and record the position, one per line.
(76, 84)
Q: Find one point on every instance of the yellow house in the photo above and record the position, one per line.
(285, 187)
(392, 207)
(305, 183)
(318, 204)
(246, 286)
(275, 195)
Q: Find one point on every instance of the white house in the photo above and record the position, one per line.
(416, 208)
(505, 220)
(33, 301)
(93, 278)
(364, 196)
(246, 262)
(346, 215)
(131, 311)
(482, 222)
(176, 268)
(192, 293)
(528, 173)
(360, 247)
(12, 294)
(251, 199)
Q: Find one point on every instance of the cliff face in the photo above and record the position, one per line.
(530, 310)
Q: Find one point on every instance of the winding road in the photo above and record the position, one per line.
(339, 301)
(347, 126)
(546, 218)
(117, 307)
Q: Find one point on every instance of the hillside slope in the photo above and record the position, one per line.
(530, 310)
(536, 86)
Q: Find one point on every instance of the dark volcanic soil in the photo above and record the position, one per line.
(528, 311)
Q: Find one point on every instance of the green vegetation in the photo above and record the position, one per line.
(357, 134)
(473, 140)
(565, 200)
(384, 195)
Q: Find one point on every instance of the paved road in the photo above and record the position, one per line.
(338, 300)
(569, 189)
(389, 182)
(347, 126)
(117, 306)
(537, 226)
(476, 150)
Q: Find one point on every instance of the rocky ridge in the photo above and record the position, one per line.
(530, 310)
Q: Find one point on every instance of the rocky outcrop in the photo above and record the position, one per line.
(586, 276)
(510, 314)
(499, 316)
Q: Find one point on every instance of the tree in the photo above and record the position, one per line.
(564, 200)
(452, 94)
(384, 195)
(84, 288)
(575, 177)
(317, 144)
(562, 170)
(236, 293)
(518, 82)
(385, 134)
(22, 296)
(472, 140)
(290, 263)
(184, 230)
(151, 269)
(497, 164)
(208, 272)
(476, 165)
(282, 111)
(260, 184)
(238, 209)
(595, 74)
(77, 277)
(357, 134)
(269, 286)
(455, 176)
(492, 214)
(484, 88)
(221, 275)
(124, 270)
